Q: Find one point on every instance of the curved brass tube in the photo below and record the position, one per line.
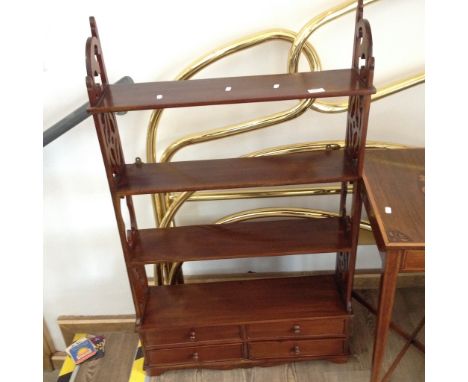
(159, 204)
(214, 56)
(317, 146)
(321, 20)
(268, 212)
(314, 24)
(266, 192)
(382, 92)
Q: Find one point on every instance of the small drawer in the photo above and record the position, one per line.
(153, 338)
(413, 261)
(297, 349)
(300, 328)
(194, 354)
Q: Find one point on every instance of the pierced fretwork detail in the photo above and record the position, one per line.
(106, 124)
(139, 283)
(111, 141)
(354, 130)
(358, 109)
(342, 273)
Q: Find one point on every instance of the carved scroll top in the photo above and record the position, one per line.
(94, 64)
(363, 59)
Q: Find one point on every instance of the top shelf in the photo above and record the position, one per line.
(229, 90)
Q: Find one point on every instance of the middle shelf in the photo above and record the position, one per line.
(240, 240)
(325, 166)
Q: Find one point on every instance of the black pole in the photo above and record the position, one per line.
(73, 119)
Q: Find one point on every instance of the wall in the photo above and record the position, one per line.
(84, 270)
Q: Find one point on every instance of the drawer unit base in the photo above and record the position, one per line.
(222, 326)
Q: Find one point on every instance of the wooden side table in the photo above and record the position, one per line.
(393, 196)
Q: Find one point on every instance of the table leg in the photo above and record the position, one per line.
(393, 326)
(388, 283)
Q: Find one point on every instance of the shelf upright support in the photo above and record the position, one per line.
(355, 143)
(114, 163)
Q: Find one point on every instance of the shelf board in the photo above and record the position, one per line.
(241, 302)
(275, 170)
(213, 91)
(241, 239)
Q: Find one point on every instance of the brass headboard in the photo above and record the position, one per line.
(166, 205)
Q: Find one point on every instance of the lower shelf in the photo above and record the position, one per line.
(244, 323)
(246, 301)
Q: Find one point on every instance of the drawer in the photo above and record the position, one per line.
(299, 348)
(300, 328)
(194, 354)
(175, 336)
(413, 261)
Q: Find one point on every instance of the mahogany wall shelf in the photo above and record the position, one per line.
(239, 323)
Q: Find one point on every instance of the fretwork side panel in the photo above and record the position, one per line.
(355, 142)
(114, 163)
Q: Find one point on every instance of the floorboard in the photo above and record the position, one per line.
(117, 362)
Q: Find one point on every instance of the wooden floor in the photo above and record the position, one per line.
(409, 310)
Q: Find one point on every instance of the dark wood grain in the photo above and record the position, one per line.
(142, 96)
(194, 355)
(298, 168)
(236, 302)
(190, 336)
(237, 240)
(413, 261)
(299, 328)
(395, 179)
(294, 349)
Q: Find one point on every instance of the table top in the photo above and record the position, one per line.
(394, 181)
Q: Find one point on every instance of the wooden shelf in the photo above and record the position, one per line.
(298, 168)
(167, 94)
(242, 239)
(238, 302)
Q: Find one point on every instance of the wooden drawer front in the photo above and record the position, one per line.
(299, 348)
(413, 261)
(194, 335)
(194, 354)
(301, 328)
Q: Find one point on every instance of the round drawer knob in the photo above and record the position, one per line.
(297, 329)
(296, 350)
(195, 356)
(192, 335)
